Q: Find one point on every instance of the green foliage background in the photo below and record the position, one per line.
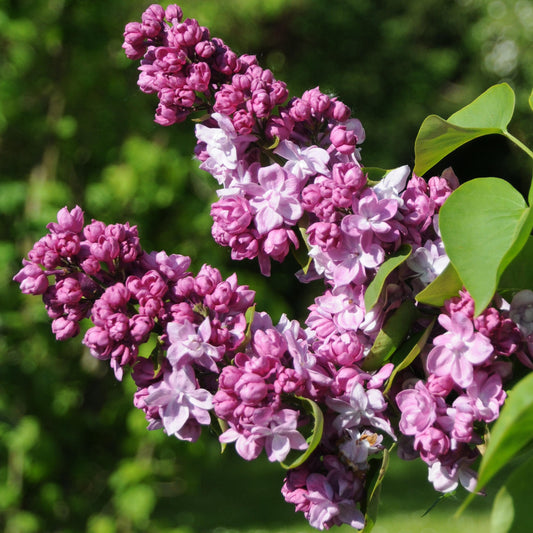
(74, 454)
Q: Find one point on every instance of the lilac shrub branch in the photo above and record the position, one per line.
(285, 166)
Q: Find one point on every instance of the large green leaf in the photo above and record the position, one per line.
(484, 224)
(488, 114)
(511, 512)
(374, 289)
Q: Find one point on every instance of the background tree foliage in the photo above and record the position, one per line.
(74, 454)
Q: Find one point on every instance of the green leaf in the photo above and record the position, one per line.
(531, 100)
(375, 174)
(519, 274)
(374, 289)
(372, 503)
(511, 511)
(391, 336)
(511, 432)
(408, 352)
(484, 224)
(316, 434)
(445, 286)
(488, 114)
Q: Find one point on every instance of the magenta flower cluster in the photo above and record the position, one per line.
(290, 176)
(466, 368)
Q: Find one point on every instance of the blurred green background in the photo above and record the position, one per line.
(74, 454)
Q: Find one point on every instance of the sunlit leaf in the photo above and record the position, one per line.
(445, 286)
(488, 114)
(511, 512)
(376, 286)
(484, 225)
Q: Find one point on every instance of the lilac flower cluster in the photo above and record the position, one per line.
(466, 367)
(290, 176)
(100, 272)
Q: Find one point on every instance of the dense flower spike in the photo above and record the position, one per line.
(323, 398)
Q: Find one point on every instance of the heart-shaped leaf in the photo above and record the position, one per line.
(488, 114)
(484, 224)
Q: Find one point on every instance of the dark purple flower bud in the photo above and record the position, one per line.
(244, 246)
(205, 49)
(269, 343)
(199, 76)
(105, 249)
(140, 327)
(68, 291)
(260, 104)
(338, 111)
(226, 62)
(277, 243)
(182, 312)
(154, 283)
(117, 325)
(150, 306)
(32, 279)
(207, 279)
(318, 101)
(224, 404)
(228, 99)
(97, 340)
(243, 122)
(94, 230)
(152, 20)
(52, 306)
(64, 328)
(134, 41)
(251, 388)
(68, 221)
(278, 92)
(220, 299)
(186, 33)
(343, 139)
(299, 111)
(116, 296)
(173, 13)
(67, 244)
(327, 235)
